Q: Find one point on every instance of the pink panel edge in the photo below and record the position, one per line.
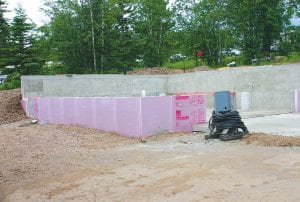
(297, 101)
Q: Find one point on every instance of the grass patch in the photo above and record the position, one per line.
(183, 64)
(294, 56)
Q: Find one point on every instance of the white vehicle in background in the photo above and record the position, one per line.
(231, 51)
(177, 57)
(234, 51)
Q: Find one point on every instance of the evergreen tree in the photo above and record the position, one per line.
(21, 39)
(124, 44)
(4, 36)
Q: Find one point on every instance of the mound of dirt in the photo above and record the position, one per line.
(155, 71)
(164, 71)
(271, 140)
(10, 106)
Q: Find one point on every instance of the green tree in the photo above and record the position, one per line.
(125, 51)
(154, 23)
(22, 54)
(106, 36)
(182, 41)
(210, 30)
(93, 35)
(4, 35)
(258, 24)
(68, 34)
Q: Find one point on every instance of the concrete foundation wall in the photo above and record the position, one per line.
(92, 85)
(270, 88)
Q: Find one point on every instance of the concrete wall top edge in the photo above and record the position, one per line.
(90, 76)
(235, 69)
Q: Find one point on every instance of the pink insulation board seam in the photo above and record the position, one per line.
(24, 103)
(297, 101)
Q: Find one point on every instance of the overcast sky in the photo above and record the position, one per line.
(32, 8)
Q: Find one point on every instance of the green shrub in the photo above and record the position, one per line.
(294, 56)
(182, 64)
(13, 81)
(111, 71)
(54, 70)
(32, 68)
(227, 60)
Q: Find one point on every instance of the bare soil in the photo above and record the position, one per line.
(164, 71)
(10, 106)
(272, 140)
(68, 163)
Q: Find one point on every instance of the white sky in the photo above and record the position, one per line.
(32, 8)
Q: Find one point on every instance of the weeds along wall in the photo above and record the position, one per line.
(269, 87)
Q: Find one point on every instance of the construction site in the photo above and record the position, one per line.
(153, 137)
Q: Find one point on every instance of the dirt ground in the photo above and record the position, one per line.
(67, 163)
(10, 107)
(164, 71)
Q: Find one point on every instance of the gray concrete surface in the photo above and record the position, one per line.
(92, 85)
(271, 88)
(283, 124)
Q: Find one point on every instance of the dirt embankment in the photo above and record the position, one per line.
(164, 71)
(10, 106)
(271, 140)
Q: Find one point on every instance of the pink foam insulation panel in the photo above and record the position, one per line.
(128, 116)
(156, 114)
(24, 102)
(188, 111)
(297, 101)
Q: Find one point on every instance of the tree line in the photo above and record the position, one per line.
(112, 36)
